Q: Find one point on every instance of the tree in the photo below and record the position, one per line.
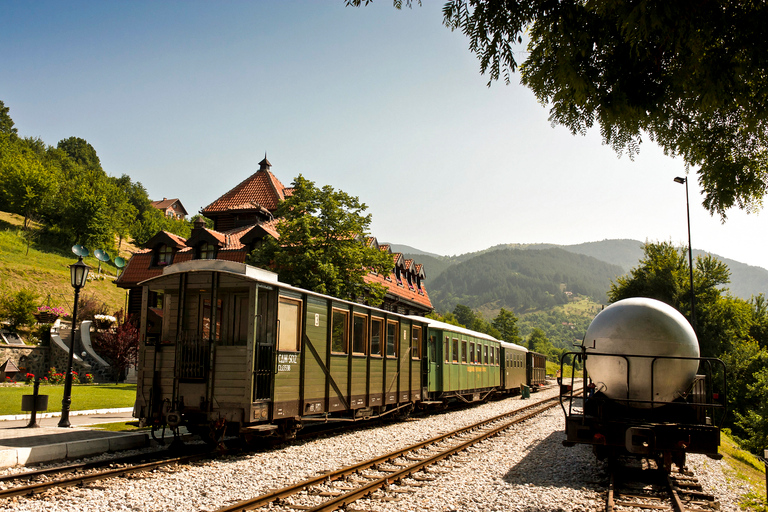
(692, 75)
(26, 185)
(322, 244)
(119, 346)
(19, 308)
(6, 123)
(506, 323)
(464, 315)
(538, 342)
(82, 153)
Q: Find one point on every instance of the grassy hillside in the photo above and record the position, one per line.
(45, 270)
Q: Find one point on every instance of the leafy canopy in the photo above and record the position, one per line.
(322, 245)
(691, 74)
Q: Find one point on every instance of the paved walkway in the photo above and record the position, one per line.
(20, 445)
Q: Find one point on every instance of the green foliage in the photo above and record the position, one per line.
(522, 279)
(506, 323)
(691, 75)
(663, 274)
(322, 244)
(19, 308)
(68, 191)
(6, 123)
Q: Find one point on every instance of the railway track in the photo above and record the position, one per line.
(87, 472)
(378, 478)
(646, 487)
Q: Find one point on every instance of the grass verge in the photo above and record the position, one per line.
(84, 397)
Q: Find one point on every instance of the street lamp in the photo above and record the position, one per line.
(78, 275)
(690, 250)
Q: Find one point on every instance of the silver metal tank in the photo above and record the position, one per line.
(646, 327)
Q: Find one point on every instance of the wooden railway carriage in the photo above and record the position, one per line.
(536, 366)
(513, 374)
(226, 344)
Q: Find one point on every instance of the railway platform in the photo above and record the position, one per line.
(23, 446)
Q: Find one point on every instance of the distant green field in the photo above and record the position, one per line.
(84, 397)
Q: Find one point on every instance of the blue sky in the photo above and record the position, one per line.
(187, 97)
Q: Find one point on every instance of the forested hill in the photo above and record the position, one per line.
(521, 280)
(746, 280)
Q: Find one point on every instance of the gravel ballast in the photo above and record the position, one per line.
(524, 469)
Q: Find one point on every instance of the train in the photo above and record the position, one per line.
(227, 347)
(645, 390)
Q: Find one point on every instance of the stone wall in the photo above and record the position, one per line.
(29, 359)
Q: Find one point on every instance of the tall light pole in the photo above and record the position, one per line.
(690, 250)
(78, 275)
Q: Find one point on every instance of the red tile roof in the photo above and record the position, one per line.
(261, 187)
(416, 296)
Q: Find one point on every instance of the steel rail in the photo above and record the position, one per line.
(101, 475)
(345, 499)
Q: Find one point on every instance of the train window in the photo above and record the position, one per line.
(497, 356)
(485, 353)
(472, 352)
(339, 331)
(359, 334)
(392, 340)
(288, 318)
(447, 349)
(455, 350)
(416, 342)
(463, 351)
(206, 327)
(377, 328)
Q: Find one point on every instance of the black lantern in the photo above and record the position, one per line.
(79, 276)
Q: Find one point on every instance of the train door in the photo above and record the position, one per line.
(433, 360)
(264, 346)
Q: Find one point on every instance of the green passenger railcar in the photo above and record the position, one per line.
(224, 344)
(464, 365)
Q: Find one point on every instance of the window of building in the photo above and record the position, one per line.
(339, 331)
(206, 251)
(377, 329)
(359, 334)
(289, 324)
(416, 342)
(392, 339)
(455, 350)
(165, 255)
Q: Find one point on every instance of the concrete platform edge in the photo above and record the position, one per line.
(72, 450)
(41, 415)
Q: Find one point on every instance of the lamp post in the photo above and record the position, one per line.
(690, 250)
(78, 275)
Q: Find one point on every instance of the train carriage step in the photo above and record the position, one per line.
(258, 428)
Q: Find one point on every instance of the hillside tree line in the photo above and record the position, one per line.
(66, 190)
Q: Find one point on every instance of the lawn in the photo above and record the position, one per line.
(84, 397)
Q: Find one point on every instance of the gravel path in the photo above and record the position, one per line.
(526, 469)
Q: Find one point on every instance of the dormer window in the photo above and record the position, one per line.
(206, 251)
(397, 276)
(164, 255)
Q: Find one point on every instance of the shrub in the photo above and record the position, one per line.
(89, 306)
(28, 378)
(19, 308)
(88, 379)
